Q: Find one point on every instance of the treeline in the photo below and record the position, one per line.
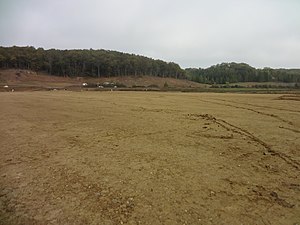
(94, 63)
(104, 63)
(241, 72)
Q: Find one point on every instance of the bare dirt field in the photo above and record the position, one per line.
(26, 80)
(149, 158)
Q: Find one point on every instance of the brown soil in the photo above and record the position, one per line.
(149, 158)
(24, 80)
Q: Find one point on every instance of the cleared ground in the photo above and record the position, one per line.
(26, 80)
(149, 158)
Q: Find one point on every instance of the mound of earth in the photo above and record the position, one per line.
(28, 80)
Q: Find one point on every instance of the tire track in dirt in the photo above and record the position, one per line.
(259, 192)
(252, 110)
(235, 129)
(258, 106)
(211, 136)
(289, 97)
(290, 129)
(154, 110)
(131, 135)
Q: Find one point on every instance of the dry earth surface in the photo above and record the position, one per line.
(149, 158)
(25, 80)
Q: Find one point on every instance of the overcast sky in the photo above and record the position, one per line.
(192, 33)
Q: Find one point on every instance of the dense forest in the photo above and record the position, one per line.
(241, 72)
(104, 63)
(94, 63)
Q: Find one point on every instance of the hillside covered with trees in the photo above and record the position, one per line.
(105, 63)
(241, 72)
(92, 63)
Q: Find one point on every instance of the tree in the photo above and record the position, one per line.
(241, 72)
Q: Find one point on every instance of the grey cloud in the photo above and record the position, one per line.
(191, 33)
